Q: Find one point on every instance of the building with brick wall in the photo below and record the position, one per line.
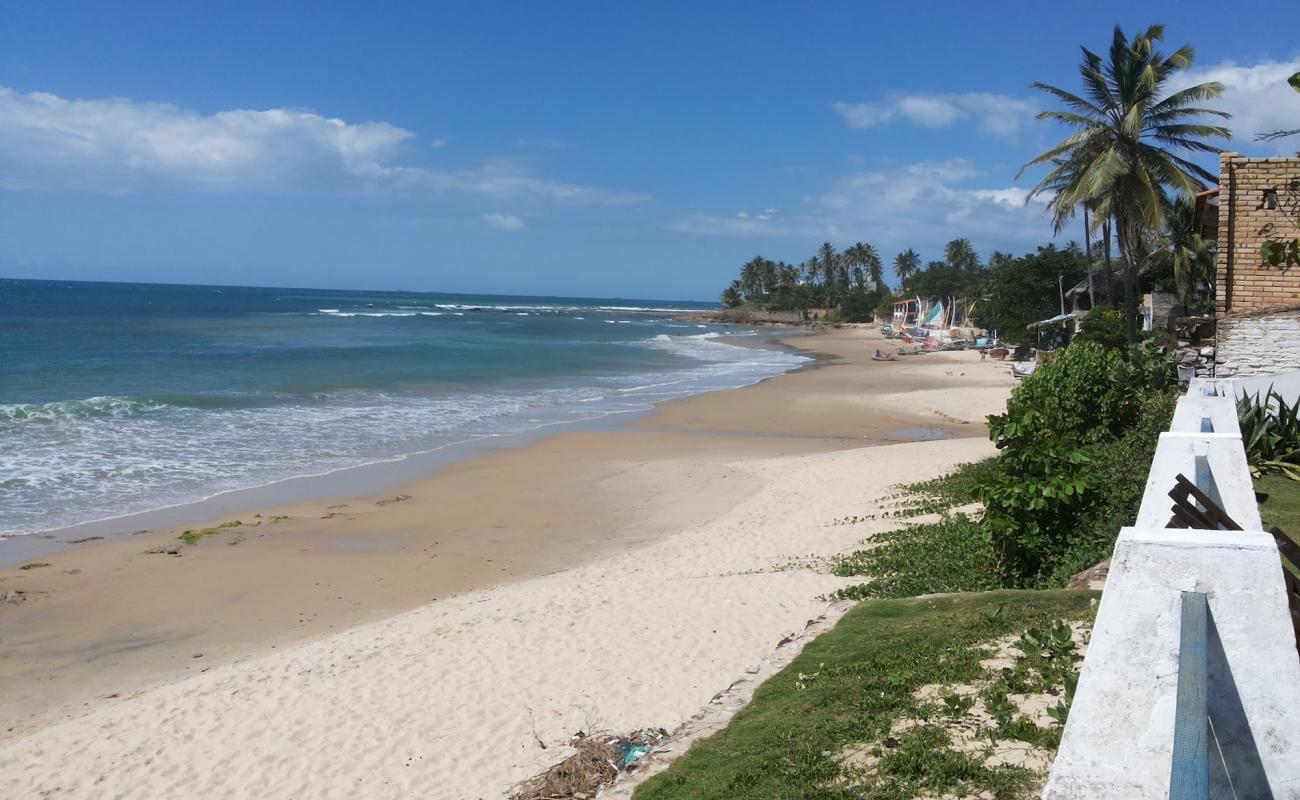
(1258, 304)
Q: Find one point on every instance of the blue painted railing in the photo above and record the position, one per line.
(1190, 776)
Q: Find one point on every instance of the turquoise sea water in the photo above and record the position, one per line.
(118, 398)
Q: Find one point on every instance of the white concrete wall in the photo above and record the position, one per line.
(1118, 740)
(1260, 345)
(1286, 384)
(1231, 489)
(1193, 411)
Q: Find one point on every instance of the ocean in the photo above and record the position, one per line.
(120, 398)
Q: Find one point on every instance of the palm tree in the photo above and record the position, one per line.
(750, 282)
(850, 262)
(868, 259)
(787, 276)
(960, 254)
(731, 295)
(809, 270)
(1120, 160)
(906, 265)
(1186, 253)
(829, 261)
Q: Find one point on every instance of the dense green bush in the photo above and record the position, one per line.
(1117, 471)
(1057, 439)
(1075, 445)
(1105, 326)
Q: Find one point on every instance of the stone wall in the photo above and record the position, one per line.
(1258, 344)
(1245, 283)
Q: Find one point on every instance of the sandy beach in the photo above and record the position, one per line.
(445, 638)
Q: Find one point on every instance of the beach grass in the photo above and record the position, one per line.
(853, 686)
(951, 555)
(35, 565)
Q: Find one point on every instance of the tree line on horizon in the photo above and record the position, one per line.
(1007, 292)
(1123, 167)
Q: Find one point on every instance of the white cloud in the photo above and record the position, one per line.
(505, 222)
(741, 226)
(120, 145)
(995, 114)
(1258, 98)
(931, 112)
(438, 144)
(917, 205)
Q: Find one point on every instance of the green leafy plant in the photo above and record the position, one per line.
(1105, 326)
(1270, 432)
(1281, 253)
(1053, 440)
(999, 705)
(956, 705)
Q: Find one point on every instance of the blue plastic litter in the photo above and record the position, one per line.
(633, 753)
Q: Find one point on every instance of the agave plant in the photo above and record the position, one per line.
(1270, 431)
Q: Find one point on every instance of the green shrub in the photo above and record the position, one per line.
(1056, 466)
(1104, 326)
(1118, 469)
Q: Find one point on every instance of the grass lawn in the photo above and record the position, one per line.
(1282, 508)
(853, 689)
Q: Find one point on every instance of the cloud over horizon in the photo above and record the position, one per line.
(1000, 115)
(118, 145)
(896, 207)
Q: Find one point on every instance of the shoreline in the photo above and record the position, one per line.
(109, 629)
(371, 477)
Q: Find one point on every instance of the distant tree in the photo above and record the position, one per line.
(829, 262)
(960, 254)
(906, 265)
(868, 259)
(731, 295)
(787, 276)
(942, 279)
(1119, 159)
(809, 269)
(1186, 256)
(1022, 290)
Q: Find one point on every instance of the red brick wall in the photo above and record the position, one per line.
(1245, 282)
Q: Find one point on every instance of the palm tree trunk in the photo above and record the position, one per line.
(1128, 254)
(1087, 249)
(1110, 270)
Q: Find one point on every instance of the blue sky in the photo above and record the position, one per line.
(602, 149)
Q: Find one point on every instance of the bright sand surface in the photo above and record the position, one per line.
(430, 646)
